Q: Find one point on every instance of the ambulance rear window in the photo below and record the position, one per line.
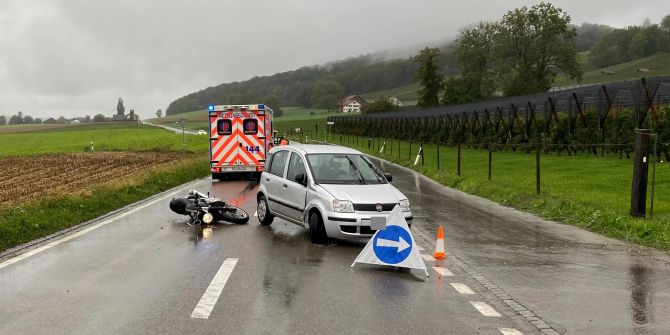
(224, 127)
(250, 126)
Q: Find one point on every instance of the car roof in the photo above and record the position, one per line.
(307, 149)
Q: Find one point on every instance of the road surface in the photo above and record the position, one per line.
(145, 271)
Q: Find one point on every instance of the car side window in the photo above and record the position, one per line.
(268, 162)
(295, 167)
(278, 163)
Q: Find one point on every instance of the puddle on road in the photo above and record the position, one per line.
(641, 302)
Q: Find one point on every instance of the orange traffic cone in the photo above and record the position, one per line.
(439, 245)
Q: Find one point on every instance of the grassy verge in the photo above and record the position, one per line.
(37, 219)
(589, 192)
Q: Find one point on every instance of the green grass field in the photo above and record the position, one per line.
(658, 65)
(105, 137)
(407, 92)
(590, 192)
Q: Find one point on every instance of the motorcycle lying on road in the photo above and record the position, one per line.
(203, 209)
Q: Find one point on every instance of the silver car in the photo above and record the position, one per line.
(333, 191)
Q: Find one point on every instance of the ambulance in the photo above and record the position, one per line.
(240, 136)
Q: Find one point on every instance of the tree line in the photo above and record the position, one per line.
(519, 54)
(623, 45)
(310, 86)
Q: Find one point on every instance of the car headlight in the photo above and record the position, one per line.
(207, 218)
(343, 206)
(404, 205)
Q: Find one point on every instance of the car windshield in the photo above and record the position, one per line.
(344, 169)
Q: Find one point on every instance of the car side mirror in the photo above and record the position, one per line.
(388, 177)
(301, 179)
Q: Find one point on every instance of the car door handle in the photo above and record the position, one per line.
(285, 185)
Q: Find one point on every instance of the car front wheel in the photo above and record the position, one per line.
(317, 232)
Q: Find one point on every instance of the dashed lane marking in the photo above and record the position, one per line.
(82, 232)
(485, 309)
(462, 288)
(443, 271)
(428, 258)
(206, 304)
(510, 331)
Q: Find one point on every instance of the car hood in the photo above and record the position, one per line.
(366, 194)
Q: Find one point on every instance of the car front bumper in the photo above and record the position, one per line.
(354, 226)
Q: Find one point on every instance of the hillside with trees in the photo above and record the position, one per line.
(623, 45)
(313, 86)
(521, 53)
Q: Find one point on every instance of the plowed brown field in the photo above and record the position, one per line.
(32, 177)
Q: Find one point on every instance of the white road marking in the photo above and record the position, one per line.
(443, 271)
(256, 213)
(206, 304)
(462, 288)
(81, 232)
(420, 248)
(485, 309)
(428, 258)
(510, 331)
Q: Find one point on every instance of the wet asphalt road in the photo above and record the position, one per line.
(146, 272)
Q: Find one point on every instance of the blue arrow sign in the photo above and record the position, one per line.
(392, 245)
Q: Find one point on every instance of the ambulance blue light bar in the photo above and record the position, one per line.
(211, 108)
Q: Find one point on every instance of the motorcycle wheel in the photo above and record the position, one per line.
(235, 215)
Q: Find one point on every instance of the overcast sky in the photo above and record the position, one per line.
(76, 57)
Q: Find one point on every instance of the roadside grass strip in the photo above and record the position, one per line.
(599, 202)
(462, 288)
(444, 272)
(509, 331)
(485, 309)
(206, 304)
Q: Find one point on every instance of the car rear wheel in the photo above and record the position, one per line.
(317, 232)
(263, 211)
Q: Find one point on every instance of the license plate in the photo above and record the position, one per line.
(235, 168)
(375, 222)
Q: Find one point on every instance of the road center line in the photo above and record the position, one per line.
(510, 331)
(81, 232)
(485, 309)
(443, 271)
(206, 304)
(462, 288)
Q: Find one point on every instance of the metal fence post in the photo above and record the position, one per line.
(438, 157)
(458, 164)
(490, 154)
(537, 169)
(421, 151)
